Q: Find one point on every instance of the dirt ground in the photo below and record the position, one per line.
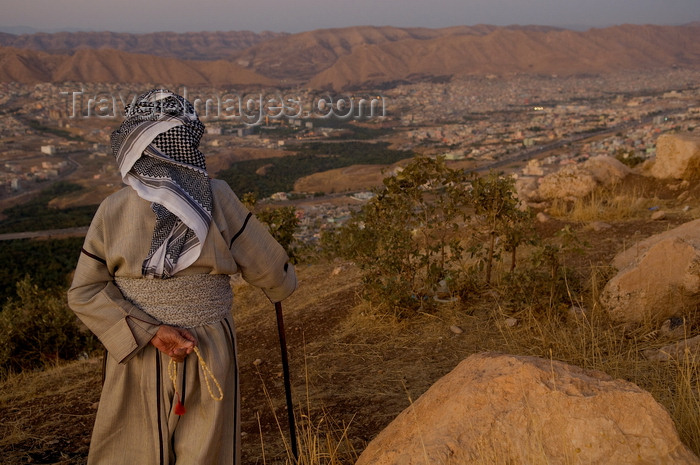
(349, 367)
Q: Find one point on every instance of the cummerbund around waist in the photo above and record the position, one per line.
(185, 301)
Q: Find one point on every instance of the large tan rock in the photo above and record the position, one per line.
(606, 170)
(657, 278)
(572, 181)
(496, 408)
(677, 156)
(663, 282)
(575, 181)
(689, 232)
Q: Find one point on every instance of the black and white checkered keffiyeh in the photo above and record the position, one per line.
(157, 152)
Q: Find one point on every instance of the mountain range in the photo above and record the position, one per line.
(343, 58)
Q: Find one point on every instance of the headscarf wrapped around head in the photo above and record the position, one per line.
(156, 148)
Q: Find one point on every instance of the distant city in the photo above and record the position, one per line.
(526, 125)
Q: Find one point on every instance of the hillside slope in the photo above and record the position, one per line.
(108, 65)
(515, 51)
(360, 369)
(26, 66)
(303, 55)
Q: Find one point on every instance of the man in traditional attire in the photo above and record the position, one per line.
(153, 284)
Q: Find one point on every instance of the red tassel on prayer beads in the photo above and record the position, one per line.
(172, 374)
(179, 407)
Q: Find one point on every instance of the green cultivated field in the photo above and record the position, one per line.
(281, 173)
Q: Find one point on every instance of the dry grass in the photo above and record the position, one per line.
(686, 408)
(320, 439)
(47, 416)
(616, 203)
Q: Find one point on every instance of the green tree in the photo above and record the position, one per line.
(516, 232)
(282, 222)
(407, 238)
(497, 208)
(545, 284)
(50, 262)
(37, 328)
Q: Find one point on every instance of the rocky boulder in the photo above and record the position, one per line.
(677, 157)
(575, 181)
(495, 408)
(689, 232)
(658, 277)
(606, 170)
(572, 181)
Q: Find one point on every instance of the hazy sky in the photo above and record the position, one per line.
(303, 15)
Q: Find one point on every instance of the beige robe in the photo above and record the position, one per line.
(135, 421)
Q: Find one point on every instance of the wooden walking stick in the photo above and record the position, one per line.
(287, 384)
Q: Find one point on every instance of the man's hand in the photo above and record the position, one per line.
(174, 342)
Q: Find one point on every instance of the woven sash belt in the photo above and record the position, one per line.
(187, 301)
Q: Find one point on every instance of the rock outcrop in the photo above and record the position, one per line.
(657, 278)
(572, 181)
(677, 157)
(689, 232)
(496, 408)
(575, 181)
(606, 170)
